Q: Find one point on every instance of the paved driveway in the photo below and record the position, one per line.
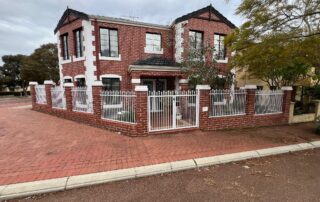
(37, 146)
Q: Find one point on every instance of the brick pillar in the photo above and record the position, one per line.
(32, 85)
(141, 110)
(204, 104)
(48, 85)
(250, 99)
(68, 94)
(287, 90)
(183, 84)
(96, 99)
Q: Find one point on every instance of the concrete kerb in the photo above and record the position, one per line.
(65, 183)
(32, 188)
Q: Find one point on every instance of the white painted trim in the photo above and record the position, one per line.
(65, 61)
(110, 58)
(222, 61)
(111, 76)
(141, 88)
(97, 83)
(75, 59)
(80, 76)
(286, 88)
(183, 81)
(146, 50)
(67, 77)
(48, 82)
(136, 81)
(33, 83)
(203, 87)
(68, 85)
(250, 87)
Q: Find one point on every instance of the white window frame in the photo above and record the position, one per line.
(215, 51)
(150, 43)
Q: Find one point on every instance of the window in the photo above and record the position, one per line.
(259, 87)
(109, 42)
(111, 84)
(219, 48)
(81, 82)
(78, 43)
(65, 47)
(153, 42)
(67, 81)
(195, 40)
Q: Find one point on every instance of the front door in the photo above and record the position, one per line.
(155, 84)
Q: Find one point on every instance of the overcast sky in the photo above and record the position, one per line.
(26, 24)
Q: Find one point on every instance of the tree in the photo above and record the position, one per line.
(11, 71)
(42, 64)
(203, 69)
(280, 40)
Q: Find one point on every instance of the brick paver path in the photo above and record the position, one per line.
(36, 146)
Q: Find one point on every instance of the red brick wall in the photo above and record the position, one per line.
(132, 40)
(209, 28)
(140, 128)
(248, 120)
(73, 68)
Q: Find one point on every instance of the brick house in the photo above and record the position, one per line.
(123, 53)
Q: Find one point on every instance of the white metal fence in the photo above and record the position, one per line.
(227, 102)
(82, 99)
(173, 110)
(268, 102)
(58, 97)
(118, 106)
(41, 94)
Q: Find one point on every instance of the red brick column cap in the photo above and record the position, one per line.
(203, 87)
(48, 82)
(141, 88)
(97, 83)
(33, 83)
(289, 88)
(250, 87)
(68, 85)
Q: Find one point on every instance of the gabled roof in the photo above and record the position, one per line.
(156, 61)
(209, 9)
(67, 13)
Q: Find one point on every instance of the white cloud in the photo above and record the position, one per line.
(26, 24)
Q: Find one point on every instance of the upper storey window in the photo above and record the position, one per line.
(78, 43)
(153, 42)
(109, 42)
(195, 40)
(219, 47)
(65, 47)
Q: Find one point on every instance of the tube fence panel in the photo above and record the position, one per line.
(118, 106)
(227, 102)
(41, 94)
(268, 102)
(58, 97)
(82, 99)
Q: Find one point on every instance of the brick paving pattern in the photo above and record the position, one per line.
(37, 146)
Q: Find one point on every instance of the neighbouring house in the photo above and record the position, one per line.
(123, 53)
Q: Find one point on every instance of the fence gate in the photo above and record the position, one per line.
(171, 110)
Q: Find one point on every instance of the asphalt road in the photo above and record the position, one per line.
(289, 177)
